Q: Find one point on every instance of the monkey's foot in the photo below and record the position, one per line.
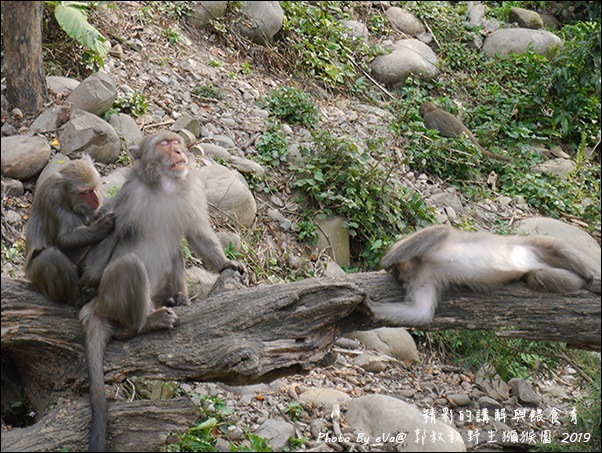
(177, 301)
(161, 318)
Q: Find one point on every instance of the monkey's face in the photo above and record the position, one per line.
(172, 156)
(90, 195)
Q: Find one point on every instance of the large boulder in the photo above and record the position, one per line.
(262, 20)
(96, 94)
(508, 41)
(24, 157)
(408, 57)
(227, 195)
(87, 133)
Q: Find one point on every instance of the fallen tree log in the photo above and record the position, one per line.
(257, 334)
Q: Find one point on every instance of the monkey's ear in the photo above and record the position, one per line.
(134, 152)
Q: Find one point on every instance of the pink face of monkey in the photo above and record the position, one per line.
(170, 152)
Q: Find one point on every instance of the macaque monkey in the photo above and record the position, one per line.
(438, 256)
(62, 228)
(139, 266)
(450, 126)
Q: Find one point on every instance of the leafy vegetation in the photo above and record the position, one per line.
(340, 177)
(71, 17)
(292, 106)
(134, 104)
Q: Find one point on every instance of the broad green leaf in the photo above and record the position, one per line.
(72, 19)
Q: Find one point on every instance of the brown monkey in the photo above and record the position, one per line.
(450, 126)
(60, 229)
(139, 266)
(432, 259)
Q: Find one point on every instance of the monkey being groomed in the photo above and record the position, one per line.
(438, 256)
(139, 267)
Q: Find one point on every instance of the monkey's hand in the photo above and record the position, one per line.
(236, 266)
(105, 224)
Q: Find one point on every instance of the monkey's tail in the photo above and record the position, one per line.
(98, 334)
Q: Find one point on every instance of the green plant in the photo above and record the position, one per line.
(321, 45)
(294, 409)
(71, 17)
(341, 178)
(173, 35)
(306, 230)
(133, 104)
(272, 146)
(293, 106)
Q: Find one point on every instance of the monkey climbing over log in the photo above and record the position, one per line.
(450, 126)
(139, 267)
(436, 257)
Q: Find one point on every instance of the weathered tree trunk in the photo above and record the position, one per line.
(254, 334)
(23, 66)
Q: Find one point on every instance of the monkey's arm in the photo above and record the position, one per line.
(72, 235)
(206, 245)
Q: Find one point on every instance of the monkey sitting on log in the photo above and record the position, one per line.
(139, 266)
(450, 126)
(438, 256)
(62, 228)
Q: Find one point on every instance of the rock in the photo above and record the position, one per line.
(489, 403)
(61, 85)
(113, 182)
(392, 341)
(199, 282)
(333, 236)
(224, 141)
(244, 165)
(325, 397)
(491, 383)
(517, 40)
(572, 236)
(559, 166)
(87, 133)
(55, 164)
(523, 391)
(447, 199)
(24, 157)
(458, 399)
(202, 13)
(355, 29)
(8, 129)
(230, 197)
(189, 123)
(216, 152)
(12, 187)
(404, 21)
(52, 119)
(380, 416)
(525, 18)
(277, 433)
(126, 129)
(333, 270)
(372, 362)
(476, 14)
(408, 57)
(96, 94)
(262, 20)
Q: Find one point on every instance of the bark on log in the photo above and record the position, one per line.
(256, 334)
(132, 426)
